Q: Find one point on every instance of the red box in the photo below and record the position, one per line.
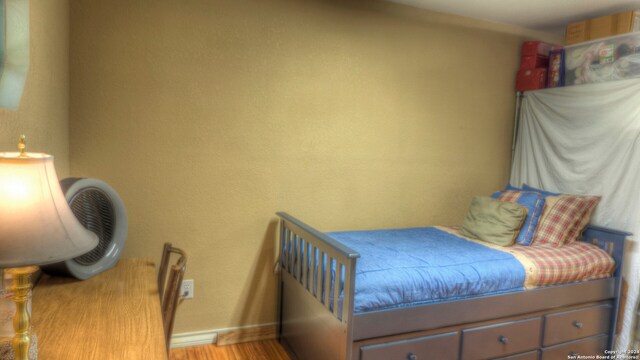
(531, 79)
(530, 48)
(534, 61)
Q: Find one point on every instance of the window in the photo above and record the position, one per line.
(14, 51)
(2, 35)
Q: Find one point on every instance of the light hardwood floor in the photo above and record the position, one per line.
(257, 350)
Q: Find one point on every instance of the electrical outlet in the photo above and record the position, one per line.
(186, 290)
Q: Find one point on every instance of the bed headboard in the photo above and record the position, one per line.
(610, 240)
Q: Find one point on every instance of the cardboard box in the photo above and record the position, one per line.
(603, 26)
(531, 79)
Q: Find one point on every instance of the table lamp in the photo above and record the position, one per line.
(37, 227)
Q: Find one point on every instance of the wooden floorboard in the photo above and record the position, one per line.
(257, 350)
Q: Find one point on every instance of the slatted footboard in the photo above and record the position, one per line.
(316, 292)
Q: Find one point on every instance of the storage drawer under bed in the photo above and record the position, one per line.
(501, 339)
(576, 324)
(592, 346)
(442, 346)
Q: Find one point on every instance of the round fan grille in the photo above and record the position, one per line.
(99, 209)
(93, 208)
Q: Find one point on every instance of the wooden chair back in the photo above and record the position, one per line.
(169, 284)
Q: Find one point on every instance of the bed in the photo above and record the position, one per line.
(516, 308)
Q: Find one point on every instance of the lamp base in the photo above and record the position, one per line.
(6, 349)
(21, 288)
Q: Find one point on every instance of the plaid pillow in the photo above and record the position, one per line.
(563, 219)
(534, 203)
(584, 219)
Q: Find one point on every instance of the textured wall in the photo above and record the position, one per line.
(209, 116)
(43, 114)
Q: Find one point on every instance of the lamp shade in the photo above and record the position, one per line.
(37, 226)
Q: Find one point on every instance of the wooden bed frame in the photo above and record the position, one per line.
(312, 328)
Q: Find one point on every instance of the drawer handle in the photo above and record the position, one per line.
(577, 324)
(412, 356)
(503, 339)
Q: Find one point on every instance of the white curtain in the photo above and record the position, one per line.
(586, 140)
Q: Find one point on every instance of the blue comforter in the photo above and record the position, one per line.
(406, 267)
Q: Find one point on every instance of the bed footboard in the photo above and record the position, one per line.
(317, 276)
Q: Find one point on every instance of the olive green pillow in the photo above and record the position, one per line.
(494, 221)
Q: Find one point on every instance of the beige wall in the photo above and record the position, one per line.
(209, 116)
(43, 114)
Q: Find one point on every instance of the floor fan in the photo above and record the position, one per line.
(99, 209)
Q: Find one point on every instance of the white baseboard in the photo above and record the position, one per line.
(195, 338)
(232, 335)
